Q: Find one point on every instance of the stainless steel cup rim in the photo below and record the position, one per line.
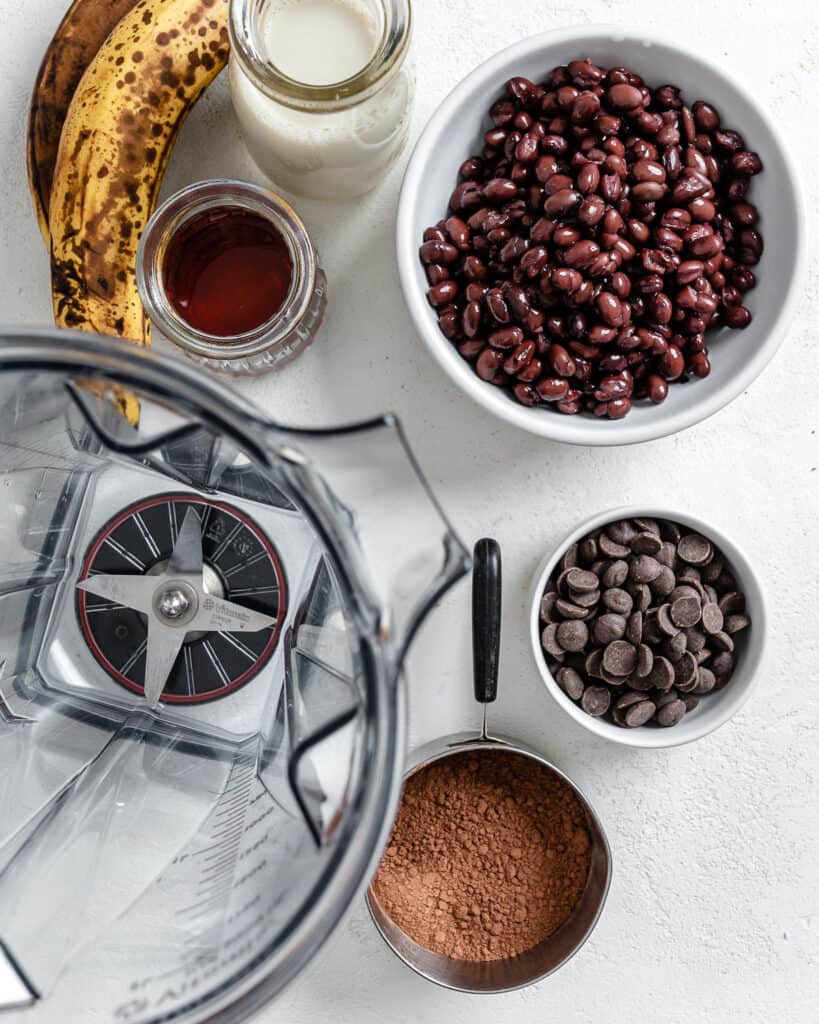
(446, 972)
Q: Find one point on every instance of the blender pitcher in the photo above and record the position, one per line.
(203, 617)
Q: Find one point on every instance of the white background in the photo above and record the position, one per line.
(714, 911)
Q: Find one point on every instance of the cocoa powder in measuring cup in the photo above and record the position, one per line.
(489, 856)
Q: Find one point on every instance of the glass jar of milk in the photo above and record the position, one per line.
(322, 90)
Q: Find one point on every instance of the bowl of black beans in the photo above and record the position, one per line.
(601, 236)
(648, 626)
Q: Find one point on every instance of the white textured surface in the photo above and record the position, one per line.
(714, 910)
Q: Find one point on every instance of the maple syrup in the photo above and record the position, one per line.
(227, 271)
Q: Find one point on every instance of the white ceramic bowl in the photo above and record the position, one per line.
(737, 357)
(714, 708)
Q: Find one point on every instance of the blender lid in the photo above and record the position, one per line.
(203, 617)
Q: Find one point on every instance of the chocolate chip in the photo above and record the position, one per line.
(685, 672)
(639, 714)
(587, 600)
(547, 604)
(641, 593)
(665, 622)
(705, 681)
(732, 603)
(618, 601)
(582, 581)
(675, 647)
(695, 549)
(594, 663)
(619, 658)
(694, 640)
(723, 642)
(616, 574)
(644, 568)
(569, 560)
(646, 544)
(712, 618)
(664, 582)
(661, 675)
(634, 628)
(549, 640)
(735, 623)
(572, 635)
(671, 713)
(667, 554)
(612, 549)
(621, 532)
(608, 627)
(596, 700)
(690, 702)
(645, 661)
(571, 682)
(569, 610)
(625, 700)
(686, 612)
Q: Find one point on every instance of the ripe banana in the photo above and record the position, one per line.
(80, 34)
(118, 134)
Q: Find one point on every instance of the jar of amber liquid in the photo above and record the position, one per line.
(227, 272)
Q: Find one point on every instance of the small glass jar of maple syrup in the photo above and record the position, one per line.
(227, 271)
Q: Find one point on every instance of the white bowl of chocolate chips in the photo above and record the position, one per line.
(648, 626)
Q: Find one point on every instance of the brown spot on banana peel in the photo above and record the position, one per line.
(96, 221)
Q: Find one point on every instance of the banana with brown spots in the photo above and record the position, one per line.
(118, 134)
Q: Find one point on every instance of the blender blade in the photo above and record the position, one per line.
(176, 603)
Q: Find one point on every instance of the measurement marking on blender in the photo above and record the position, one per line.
(246, 564)
(217, 664)
(109, 606)
(137, 654)
(123, 552)
(147, 536)
(242, 648)
(188, 660)
(173, 523)
(254, 591)
(220, 550)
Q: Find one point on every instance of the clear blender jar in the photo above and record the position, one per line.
(203, 618)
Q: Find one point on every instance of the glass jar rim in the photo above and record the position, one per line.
(179, 210)
(385, 62)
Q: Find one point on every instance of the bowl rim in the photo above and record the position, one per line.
(565, 428)
(731, 700)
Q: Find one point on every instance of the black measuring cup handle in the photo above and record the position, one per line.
(486, 619)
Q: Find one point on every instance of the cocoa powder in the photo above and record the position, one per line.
(489, 856)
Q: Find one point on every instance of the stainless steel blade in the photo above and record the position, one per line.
(164, 645)
(135, 592)
(186, 557)
(215, 614)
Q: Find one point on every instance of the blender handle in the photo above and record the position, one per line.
(486, 619)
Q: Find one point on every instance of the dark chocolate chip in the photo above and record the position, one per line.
(619, 658)
(608, 627)
(571, 682)
(671, 713)
(596, 700)
(712, 618)
(695, 549)
(686, 612)
(646, 544)
(572, 635)
(639, 714)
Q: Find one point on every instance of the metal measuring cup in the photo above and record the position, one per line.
(550, 954)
